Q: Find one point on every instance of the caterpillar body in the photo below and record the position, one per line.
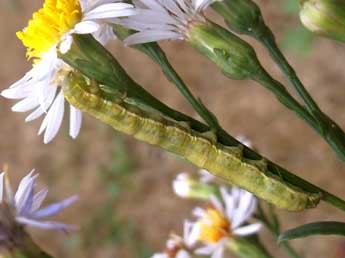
(225, 162)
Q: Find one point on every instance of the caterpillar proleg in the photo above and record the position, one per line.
(225, 162)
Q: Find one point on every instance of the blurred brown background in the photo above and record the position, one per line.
(127, 207)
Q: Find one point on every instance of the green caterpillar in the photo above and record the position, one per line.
(225, 162)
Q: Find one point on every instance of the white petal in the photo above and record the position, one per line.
(26, 104)
(217, 203)
(218, 253)
(75, 121)
(247, 230)
(244, 209)
(201, 5)
(111, 10)
(65, 45)
(86, 27)
(154, 5)
(193, 235)
(150, 36)
(198, 212)
(34, 115)
(52, 122)
(182, 254)
(17, 92)
(208, 249)
(206, 176)
(172, 7)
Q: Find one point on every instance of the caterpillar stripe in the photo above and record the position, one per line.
(225, 162)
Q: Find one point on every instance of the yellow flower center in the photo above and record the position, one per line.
(214, 226)
(48, 25)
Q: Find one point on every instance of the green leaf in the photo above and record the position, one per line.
(312, 229)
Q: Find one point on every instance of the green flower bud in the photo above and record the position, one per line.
(324, 17)
(241, 16)
(93, 60)
(188, 187)
(235, 57)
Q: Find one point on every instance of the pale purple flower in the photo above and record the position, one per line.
(26, 204)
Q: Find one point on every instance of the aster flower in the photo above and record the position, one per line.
(25, 205)
(218, 224)
(158, 20)
(49, 31)
(180, 247)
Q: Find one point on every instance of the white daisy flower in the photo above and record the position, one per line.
(180, 247)
(168, 19)
(50, 30)
(216, 225)
(25, 205)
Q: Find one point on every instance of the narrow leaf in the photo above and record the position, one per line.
(316, 228)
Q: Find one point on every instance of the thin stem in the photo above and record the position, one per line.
(275, 233)
(329, 130)
(267, 38)
(154, 51)
(286, 99)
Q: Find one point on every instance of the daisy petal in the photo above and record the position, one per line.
(54, 208)
(46, 224)
(86, 27)
(38, 199)
(247, 230)
(75, 121)
(53, 120)
(150, 36)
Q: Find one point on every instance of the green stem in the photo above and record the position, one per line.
(274, 229)
(154, 51)
(266, 37)
(286, 99)
(329, 130)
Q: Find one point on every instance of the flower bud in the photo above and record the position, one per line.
(324, 17)
(187, 187)
(88, 56)
(235, 57)
(241, 16)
